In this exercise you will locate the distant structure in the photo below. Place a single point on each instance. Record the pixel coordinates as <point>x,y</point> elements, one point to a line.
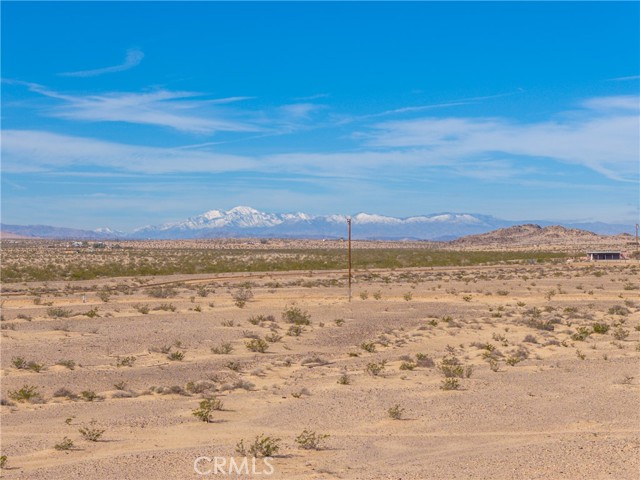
<point>605,255</point>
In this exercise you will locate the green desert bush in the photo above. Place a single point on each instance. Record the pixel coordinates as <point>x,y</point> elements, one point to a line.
<point>368,347</point>
<point>91,431</point>
<point>262,446</point>
<point>28,393</point>
<point>375,368</point>
<point>310,440</point>
<point>64,445</point>
<point>600,328</point>
<point>241,296</point>
<point>450,384</point>
<point>206,407</point>
<point>176,356</point>
<point>222,349</point>
<point>59,312</point>
<point>395,412</point>
<point>125,361</point>
<point>294,314</point>
<point>257,345</point>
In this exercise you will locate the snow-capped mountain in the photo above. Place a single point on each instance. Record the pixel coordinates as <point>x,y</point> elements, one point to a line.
<point>109,232</point>
<point>247,221</point>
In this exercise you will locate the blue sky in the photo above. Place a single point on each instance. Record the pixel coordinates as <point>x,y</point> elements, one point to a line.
<point>124,114</point>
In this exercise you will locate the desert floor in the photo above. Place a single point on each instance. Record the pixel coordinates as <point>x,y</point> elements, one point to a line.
<point>543,365</point>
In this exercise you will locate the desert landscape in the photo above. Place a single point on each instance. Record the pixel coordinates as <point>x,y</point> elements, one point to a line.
<point>469,361</point>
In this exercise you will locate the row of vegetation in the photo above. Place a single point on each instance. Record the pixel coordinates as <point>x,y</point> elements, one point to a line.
<point>20,265</point>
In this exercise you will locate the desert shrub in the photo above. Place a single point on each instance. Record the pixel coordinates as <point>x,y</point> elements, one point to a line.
<point>540,324</point>
<point>222,349</point>
<point>141,308</point>
<point>28,393</point>
<point>618,310</point>
<point>92,313</point>
<point>344,379</point>
<point>65,444</point>
<point>3,461</point>
<point>125,361</point>
<point>35,366</point>
<point>423,360</point>
<point>241,296</point>
<point>200,386</point>
<point>450,384</point>
<point>310,440</point>
<point>581,334</point>
<point>407,296</point>
<point>407,366</point>
<point>620,333</point>
<point>451,367</point>
<point>64,393</point>
<point>530,339</point>
<point>206,407</point>
<point>19,363</point>
<point>273,337</point>
<point>294,314</point>
<point>91,432</point>
<point>368,347</point>
<point>176,356</point>
<point>165,307</point>
<point>375,368</point>
<point>161,292</point>
<point>70,364</point>
<point>257,345</point>
<point>513,360</point>
<point>202,291</point>
<point>396,412</point>
<point>59,312</point>
<point>262,446</point>
<point>600,328</point>
<point>233,365</point>
<point>104,295</point>
<point>89,395</point>
<point>295,330</point>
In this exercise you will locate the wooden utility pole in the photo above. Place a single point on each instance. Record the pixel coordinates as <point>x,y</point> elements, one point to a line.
<point>349,224</point>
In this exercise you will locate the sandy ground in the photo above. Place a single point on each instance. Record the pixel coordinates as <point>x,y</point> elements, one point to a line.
<point>536,399</point>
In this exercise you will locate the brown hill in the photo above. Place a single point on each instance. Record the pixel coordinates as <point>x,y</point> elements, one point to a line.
<point>534,236</point>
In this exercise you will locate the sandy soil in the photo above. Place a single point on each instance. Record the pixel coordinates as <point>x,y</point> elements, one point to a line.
<point>538,397</point>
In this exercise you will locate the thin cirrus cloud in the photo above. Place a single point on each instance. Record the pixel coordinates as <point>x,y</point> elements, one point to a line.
<point>31,151</point>
<point>133,59</point>
<point>179,110</point>
<point>603,136</point>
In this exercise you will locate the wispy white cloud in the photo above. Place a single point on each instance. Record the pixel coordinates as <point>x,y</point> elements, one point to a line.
<point>173,109</point>
<point>431,106</point>
<point>630,103</point>
<point>624,79</point>
<point>604,137</point>
<point>601,135</point>
<point>38,151</point>
<point>133,59</point>
<point>311,97</point>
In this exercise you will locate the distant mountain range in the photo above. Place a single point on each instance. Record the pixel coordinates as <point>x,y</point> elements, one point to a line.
<point>249,222</point>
